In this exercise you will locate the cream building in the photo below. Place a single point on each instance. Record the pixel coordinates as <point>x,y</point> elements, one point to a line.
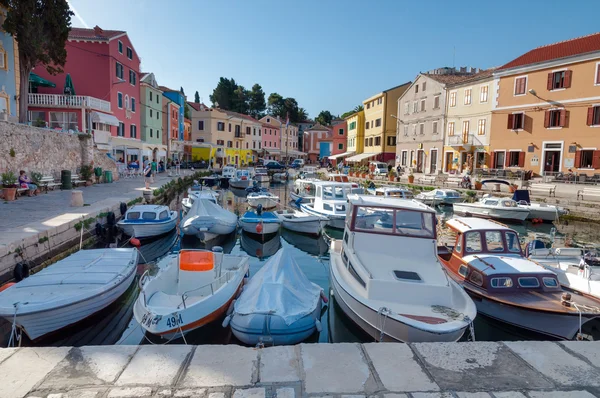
<point>289,136</point>
<point>356,132</point>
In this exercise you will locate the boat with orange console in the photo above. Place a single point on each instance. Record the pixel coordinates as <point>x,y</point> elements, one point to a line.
<point>192,289</point>
<point>488,261</point>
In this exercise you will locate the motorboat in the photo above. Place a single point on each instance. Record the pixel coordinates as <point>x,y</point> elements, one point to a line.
<point>309,172</point>
<point>497,208</point>
<point>255,246</point>
<point>311,244</point>
<point>204,194</point>
<point>191,289</point>
<point>227,173</point>
<point>264,198</point>
<point>575,267</point>
<point>279,305</point>
<point>280,177</point>
<point>241,180</point>
<point>538,211</point>
<point>301,222</point>
<point>488,262</point>
<point>391,191</point>
<point>440,197</point>
<point>329,202</point>
<point>304,190</point>
<point>259,222</point>
<point>68,291</point>
<point>146,221</point>
<point>209,181</point>
<point>251,172</point>
<point>386,277</point>
<point>207,220</point>
<point>261,175</point>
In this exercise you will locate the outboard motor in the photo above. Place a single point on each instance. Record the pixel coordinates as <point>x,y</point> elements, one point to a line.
<point>111,226</point>
<point>123,208</point>
<point>259,209</point>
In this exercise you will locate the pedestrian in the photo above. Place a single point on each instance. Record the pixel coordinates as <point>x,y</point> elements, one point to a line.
<point>147,175</point>
<point>25,182</point>
<point>177,167</point>
<point>154,167</point>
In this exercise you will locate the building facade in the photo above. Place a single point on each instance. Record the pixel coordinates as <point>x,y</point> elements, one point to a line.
<point>170,136</point>
<point>151,118</point>
<point>9,75</point>
<point>356,132</point>
<point>187,137</point>
<point>302,127</point>
<point>288,135</point>
<point>318,143</point>
<point>468,125</point>
<point>546,114</point>
<point>271,141</point>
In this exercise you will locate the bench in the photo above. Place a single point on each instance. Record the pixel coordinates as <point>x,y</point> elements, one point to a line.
<point>550,188</point>
<point>452,180</point>
<point>588,192</point>
<point>427,179</point>
<point>76,180</point>
<point>47,182</point>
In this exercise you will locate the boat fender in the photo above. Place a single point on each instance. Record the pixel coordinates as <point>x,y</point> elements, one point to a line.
<point>135,242</point>
<point>324,297</point>
<point>20,272</point>
<point>230,309</point>
<point>123,208</point>
<point>111,219</point>
<point>298,201</point>
<point>99,230</point>
<point>226,321</point>
<point>259,228</point>
<point>318,325</point>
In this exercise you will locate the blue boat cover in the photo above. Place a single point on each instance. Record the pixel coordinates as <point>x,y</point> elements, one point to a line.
<point>266,216</point>
<point>521,195</point>
<point>281,288</point>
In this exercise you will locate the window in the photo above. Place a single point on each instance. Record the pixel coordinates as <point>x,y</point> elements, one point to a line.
<point>150,112</point>
<point>476,278</point>
<point>403,157</point>
<point>468,96</point>
<point>220,142</point>
<point>406,130</point>
<point>132,104</point>
<point>133,131</point>
<point>368,105</point>
<point>422,129</point>
<point>585,159</point>
<point>220,126</point>
<point>391,141</point>
<point>416,88</point>
<point>249,130</point>
<point>120,100</point>
<point>229,144</point>
<point>34,116</point>
<point>434,127</point>
<point>132,78</point>
<point>126,101</point>
<point>407,108</point>
<point>340,131</point>
<point>415,107</point>
<point>377,123</point>
<point>463,271</point>
<point>512,241</point>
<point>453,99</point>
<point>555,118</point>
<point>3,58</point>
<point>529,281</point>
<point>560,79</point>
<point>493,241</point>
<point>150,133</point>
<point>520,85</point>
<point>157,100</point>
<point>481,127</point>
<point>366,125</point>
<point>593,116</point>
<point>550,282</point>
<point>380,101</point>
<point>352,126</point>
<point>513,158</point>
<point>516,121</point>
<point>377,141</point>
<point>473,242</point>
<point>436,102</point>
<point>150,97</point>
<point>465,129</point>
<point>119,70</point>
<point>120,47</point>
<point>121,130</point>
<point>229,128</point>
<point>157,114</point>
<point>64,121</point>
<point>450,129</point>
<point>483,94</point>
<point>129,53</point>
<point>371,141</point>
<point>501,282</point>
<point>422,105</point>
<point>424,86</point>
<point>366,142</point>
<point>340,146</point>
<point>200,124</point>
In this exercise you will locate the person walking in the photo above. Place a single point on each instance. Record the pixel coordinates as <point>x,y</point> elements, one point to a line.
<point>177,167</point>
<point>154,168</point>
<point>147,175</point>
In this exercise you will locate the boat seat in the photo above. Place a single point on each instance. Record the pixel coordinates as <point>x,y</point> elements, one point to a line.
<point>190,260</point>
<point>163,303</point>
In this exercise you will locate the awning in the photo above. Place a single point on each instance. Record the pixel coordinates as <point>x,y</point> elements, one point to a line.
<point>361,156</point>
<point>105,118</point>
<point>37,81</point>
<point>273,151</point>
<point>340,155</point>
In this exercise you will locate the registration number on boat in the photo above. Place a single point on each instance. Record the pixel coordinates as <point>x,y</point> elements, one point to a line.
<point>174,321</point>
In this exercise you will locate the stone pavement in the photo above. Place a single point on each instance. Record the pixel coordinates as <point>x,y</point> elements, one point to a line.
<point>384,370</point>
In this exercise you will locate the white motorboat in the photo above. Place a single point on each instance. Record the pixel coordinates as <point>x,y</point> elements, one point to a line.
<point>393,192</point>
<point>278,306</point>
<point>205,194</point>
<point>207,220</point>
<point>241,180</point>
<point>228,172</point>
<point>570,264</point>
<point>309,172</point>
<point>259,222</point>
<point>538,211</point>
<point>329,202</point>
<point>440,197</point>
<point>280,177</point>
<point>145,221</point>
<point>298,221</point>
<point>266,199</point>
<point>261,175</point>
<point>492,207</point>
<point>386,276</point>
<point>304,190</point>
<point>191,289</point>
<point>68,291</point>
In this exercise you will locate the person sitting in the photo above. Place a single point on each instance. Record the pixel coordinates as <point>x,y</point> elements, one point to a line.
<point>25,182</point>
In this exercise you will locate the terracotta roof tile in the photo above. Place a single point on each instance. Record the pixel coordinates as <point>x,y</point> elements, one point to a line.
<point>198,107</point>
<point>562,49</point>
<point>449,79</point>
<point>240,115</point>
<point>92,34</point>
<point>484,74</point>
<point>318,127</point>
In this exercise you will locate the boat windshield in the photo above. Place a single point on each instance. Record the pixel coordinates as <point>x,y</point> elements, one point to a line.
<point>335,192</point>
<point>393,221</point>
<point>242,173</point>
<point>509,203</point>
<point>397,193</point>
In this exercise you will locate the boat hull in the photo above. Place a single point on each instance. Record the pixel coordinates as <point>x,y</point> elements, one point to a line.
<point>239,184</point>
<point>490,213</point>
<point>333,220</point>
<point>266,202</point>
<point>310,225</point>
<point>267,227</point>
<point>303,199</point>
<point>147,230</point>
<point>261,178</point>
<point>545,213</point>
<point>208,228</point>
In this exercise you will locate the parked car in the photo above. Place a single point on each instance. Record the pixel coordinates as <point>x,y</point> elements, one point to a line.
<point>273,165</point>
<point>378,168</point>
<point>297,164</point>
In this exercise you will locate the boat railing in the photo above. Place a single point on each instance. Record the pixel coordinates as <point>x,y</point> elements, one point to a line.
<point>214,286</point>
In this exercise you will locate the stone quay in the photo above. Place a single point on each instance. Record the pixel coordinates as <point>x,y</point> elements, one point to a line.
<point>385,370</point>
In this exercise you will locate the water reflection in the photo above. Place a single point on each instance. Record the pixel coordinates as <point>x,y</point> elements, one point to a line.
<point>259,247</point>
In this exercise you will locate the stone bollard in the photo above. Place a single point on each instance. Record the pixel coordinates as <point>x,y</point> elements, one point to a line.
<point>76,198</point>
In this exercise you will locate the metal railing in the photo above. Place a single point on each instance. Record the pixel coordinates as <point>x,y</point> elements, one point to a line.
<point>461,139</point>
<point>66,101</point>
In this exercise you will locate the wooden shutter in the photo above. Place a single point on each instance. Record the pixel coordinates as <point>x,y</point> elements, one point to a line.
<point>547,119</point>
<point>563,118</point>
<point>578,159</point>
<point>521,159</point>
<point>511,120</point>
<point>596,160</point>
<point>568,76</point>
<point>550,78</point>
<point>506,156</point>
<point>590,117</point>
<point>492,159</point>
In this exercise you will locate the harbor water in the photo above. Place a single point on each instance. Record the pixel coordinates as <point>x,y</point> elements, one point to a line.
<point>115,325</point>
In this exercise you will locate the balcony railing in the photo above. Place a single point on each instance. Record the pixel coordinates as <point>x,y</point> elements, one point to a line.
<point>463,140</point>
<point>67,101</point>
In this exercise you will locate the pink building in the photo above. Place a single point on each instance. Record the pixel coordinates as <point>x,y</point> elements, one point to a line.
<point>339,137</point>
<point>271,141</point>
<point>318,142</point>
<point>105,70</point>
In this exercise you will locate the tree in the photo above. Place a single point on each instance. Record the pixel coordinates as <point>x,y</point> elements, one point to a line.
<point>302,115</point>
<point>324,118</point>
<point>181,90</point>
<point>41,27</point>
<point>197,98</point>
<point>358,108</point>
<point>275,104</point>
<point>186,111</point>
<point>256,101</point>
<point>223,94</point>
<point>239,101</point>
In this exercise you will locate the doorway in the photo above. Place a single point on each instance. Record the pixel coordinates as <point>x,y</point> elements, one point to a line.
<point>463,161</point>
<point>551,157</point>
<point>449,158</point>
<point>499,160</point>
<point>433,161</point>
<point>420,158</point>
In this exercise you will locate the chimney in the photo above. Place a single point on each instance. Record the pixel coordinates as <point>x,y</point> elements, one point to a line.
<point>98,30</point>
<point>463,69</point>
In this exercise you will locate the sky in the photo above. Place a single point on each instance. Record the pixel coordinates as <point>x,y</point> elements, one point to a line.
<point>329,54</point>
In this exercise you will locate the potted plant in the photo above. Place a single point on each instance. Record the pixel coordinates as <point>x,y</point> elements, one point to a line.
<point>411,178</point>
<point>86,172</point>
<point>9,185</point>
<point>36,178</point>
<point>363,171</point>
<point>512,188</point>
<point>391,175</point>
<point>478,185</point>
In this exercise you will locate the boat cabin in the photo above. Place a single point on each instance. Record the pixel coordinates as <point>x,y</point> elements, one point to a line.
<point>147,214</point>
<point>331,197</point>
<point>228,172</point>
<point>261,171</point>
<point>498,202</point>
<point>394,192</point>
<point>242,175</point>
<point>487,255</point>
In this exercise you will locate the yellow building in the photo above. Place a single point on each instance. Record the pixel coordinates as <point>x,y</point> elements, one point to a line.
<point>356,132</point>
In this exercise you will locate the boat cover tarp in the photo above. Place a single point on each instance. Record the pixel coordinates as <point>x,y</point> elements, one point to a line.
<point>279,287</point>
<point>205,208</point>
<point>521,195</point>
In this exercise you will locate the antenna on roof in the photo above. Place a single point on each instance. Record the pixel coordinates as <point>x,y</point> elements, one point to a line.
<point>454,57</point>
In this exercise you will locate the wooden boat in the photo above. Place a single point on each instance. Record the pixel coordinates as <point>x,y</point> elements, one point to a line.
<point>207,220</point>
<point>264,198</point>
<point>191,289</point>
<point>386,277</point>
<point>68,291</point>
<point>278,306</point>
<point>488,262</point>
<point>145,221</point>
<point>300,222</point>
<point>259,222</point>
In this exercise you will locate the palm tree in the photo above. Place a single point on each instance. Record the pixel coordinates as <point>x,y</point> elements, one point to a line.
<point>302,114</point>
<point>358,108</point>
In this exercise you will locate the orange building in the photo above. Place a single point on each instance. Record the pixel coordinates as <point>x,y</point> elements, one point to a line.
<point>546,111</point>
<point>187,137</point>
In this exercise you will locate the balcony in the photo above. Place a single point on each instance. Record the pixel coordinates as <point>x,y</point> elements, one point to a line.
<point>463,140</point>
<point>67,101</point>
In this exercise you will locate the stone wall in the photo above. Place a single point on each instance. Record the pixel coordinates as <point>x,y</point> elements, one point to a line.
<point>42,150</point>
<point>103,161</point>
